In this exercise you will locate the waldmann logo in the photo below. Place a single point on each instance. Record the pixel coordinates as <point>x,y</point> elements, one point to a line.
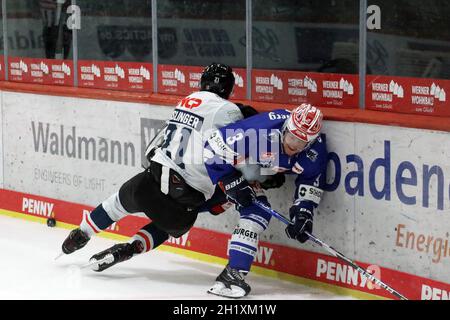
<point>66,142</point>
<point>384,92</point>
<point>337,89</point>
<point>345,274</point>
<point>37,207</point>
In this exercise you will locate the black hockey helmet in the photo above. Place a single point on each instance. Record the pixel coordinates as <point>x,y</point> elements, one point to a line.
<point>219,79</point>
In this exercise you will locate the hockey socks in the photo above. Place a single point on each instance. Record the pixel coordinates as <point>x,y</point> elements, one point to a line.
<point>96,221</point>
<point>244,245</point>
<point>245,238</point>
<point>150,236</point>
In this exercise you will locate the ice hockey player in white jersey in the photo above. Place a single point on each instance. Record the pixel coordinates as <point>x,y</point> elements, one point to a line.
<point>175,187</point>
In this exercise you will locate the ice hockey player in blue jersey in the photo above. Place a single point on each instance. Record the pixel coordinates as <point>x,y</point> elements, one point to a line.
<point>275,143</point>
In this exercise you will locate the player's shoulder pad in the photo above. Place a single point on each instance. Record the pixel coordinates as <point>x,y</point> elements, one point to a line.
<point>230,111</point>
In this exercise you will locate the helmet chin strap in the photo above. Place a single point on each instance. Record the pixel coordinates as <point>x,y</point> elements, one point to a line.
<point>283,132</point>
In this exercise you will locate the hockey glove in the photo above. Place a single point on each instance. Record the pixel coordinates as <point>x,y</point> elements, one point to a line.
<point>274,182</point>
<point>302,219</point>
<point>237,189</point>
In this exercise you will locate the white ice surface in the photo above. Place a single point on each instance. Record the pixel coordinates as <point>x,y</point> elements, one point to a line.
<point>28,271</point>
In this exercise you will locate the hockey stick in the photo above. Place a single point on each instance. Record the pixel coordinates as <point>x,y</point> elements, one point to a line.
<point>334,252</point>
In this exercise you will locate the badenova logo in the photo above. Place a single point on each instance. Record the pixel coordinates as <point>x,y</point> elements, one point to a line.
<point>66,142</point>
<point>411,183</point>
<point>345,274</point>
<point>37,207</point>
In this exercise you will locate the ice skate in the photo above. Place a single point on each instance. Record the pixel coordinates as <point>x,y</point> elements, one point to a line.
<point>76,240</point>
<point>230,284</point>
<point>117,253</point>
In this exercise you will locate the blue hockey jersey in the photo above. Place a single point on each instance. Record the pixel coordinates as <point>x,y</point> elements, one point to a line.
<point>258,140</point>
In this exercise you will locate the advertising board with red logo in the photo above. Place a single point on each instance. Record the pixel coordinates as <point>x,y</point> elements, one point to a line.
<point>126,76</point>
<point>183,80</point>
<point>295,87</point>
<point>408,95</point>
<point>41,71</point>
<point>305,264</point>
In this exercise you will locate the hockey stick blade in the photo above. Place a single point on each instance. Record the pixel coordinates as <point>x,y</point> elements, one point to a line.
<point>334,252</point>
<point>361,270</point>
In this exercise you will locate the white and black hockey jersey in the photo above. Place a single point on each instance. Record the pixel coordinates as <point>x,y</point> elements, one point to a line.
<point>191,124</point>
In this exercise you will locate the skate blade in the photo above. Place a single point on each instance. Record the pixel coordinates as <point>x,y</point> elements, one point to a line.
<point>219,289</point>
<point>59,255</point>
<point>94,265</point>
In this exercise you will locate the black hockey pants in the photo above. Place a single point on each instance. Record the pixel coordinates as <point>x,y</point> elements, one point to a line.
<point>174,212</point>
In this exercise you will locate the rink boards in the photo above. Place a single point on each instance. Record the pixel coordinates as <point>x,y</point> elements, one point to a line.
<point>387,205</point>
